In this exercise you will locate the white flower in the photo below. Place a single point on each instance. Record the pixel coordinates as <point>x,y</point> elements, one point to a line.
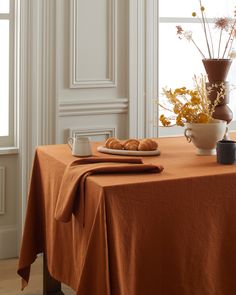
<point>188,35</point>
<point>232,54</point>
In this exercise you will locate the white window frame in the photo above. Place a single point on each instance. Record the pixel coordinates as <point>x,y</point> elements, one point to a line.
<point>11,141</point>
<point>143,24</point>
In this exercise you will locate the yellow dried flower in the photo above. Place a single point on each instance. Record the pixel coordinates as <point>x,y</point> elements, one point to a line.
<point>177,108</point>
<point>194,14</point>
<point>193,92</point>
<point>165,122</point>
<point>191,105</point>
<point>180,91</point>
<point>202,118</point>
<point>195,100</point>
<point>179,121</point>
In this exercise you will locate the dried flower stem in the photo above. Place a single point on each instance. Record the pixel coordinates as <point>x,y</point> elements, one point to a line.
<point>200,86</point>
<point>212,47</point>
<point>225,25</point>
<point>219,43</point>
<point>198,48</point>
<point>165,108</point>
<point>204,27</point>
<point>230,48</point>
<point>230,35</point>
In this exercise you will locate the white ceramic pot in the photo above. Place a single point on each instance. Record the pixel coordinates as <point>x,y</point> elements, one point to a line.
<point>80,146</point>
<point>205,135</point>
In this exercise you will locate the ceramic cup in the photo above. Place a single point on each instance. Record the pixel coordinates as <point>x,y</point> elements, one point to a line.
<point>205,135</point>
<point>226,152</point>
<point>80,146</point>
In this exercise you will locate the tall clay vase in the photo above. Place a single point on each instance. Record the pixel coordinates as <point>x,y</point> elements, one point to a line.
<point>217,71</point>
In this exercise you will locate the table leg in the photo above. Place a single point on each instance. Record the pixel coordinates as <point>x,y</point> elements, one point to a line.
<point>50,285</point>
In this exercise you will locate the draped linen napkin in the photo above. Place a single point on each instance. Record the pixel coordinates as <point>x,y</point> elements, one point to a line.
<point>74,178</point>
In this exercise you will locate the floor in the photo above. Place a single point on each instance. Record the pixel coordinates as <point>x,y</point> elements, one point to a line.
<point>10,282</point>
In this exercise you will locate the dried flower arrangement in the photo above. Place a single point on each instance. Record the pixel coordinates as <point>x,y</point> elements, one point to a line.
<point>226,26</point>
<point>191,105</point>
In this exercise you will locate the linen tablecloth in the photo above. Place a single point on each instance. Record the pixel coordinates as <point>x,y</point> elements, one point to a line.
<point>172,233</point>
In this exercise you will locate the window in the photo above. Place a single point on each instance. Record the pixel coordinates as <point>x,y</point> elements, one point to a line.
<point>7,72</point>
<point>179,60</point>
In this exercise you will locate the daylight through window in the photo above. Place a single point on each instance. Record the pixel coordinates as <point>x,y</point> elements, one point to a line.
<point>179,59</point>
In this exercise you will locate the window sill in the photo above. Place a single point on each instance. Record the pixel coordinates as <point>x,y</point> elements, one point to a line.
<point>9,151</point>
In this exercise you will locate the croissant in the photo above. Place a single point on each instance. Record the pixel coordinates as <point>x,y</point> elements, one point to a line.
<point>113,143</point>
<point>108,141</point>
<point>131,144</point>
<point>147,145</point>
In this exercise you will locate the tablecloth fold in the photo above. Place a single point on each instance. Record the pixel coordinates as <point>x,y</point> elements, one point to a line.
<point>74,178</point>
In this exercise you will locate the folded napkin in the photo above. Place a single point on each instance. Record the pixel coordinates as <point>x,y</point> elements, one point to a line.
<point>73,180</point>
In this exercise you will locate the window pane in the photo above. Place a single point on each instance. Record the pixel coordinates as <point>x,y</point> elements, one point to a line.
<point>4,78</point>
<point>184,8</point>
<point>179,59</point>
<point>4,6</point>
<point>181,8</point>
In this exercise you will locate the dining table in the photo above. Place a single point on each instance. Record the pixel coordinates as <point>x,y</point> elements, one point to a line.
<point>132,225</point>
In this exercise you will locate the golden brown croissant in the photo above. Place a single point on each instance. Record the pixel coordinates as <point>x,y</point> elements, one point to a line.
<point>131,144</point>
<point>108,141</point>
<point>147,144</point>
<point>113,143</point>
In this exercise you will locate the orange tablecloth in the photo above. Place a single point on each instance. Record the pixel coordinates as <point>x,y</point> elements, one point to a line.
<point>172,233</point>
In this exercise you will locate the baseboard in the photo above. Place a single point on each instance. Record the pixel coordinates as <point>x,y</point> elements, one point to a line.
<point>8,242</point>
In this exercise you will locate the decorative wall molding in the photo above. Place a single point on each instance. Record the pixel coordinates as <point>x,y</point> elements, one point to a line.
<point>8,245</point>
<point>94,131</point>
<point>2,190</point>
<point>143,24</point>
<point>93,107</point>
<point>110,80</point>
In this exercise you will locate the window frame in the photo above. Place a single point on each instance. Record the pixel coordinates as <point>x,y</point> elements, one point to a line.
<point>11,139</point>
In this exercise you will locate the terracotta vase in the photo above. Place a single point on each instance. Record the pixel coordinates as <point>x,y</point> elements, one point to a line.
<point>217,71</point>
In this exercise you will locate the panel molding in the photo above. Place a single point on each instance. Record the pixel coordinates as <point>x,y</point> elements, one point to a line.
<point>93,107</point>
<point>91,131</point>
<point>8,245</point>
<point>2,190</point>
<point>112,55</point>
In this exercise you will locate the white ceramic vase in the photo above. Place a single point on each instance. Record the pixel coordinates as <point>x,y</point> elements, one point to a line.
<point>205,135</point>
